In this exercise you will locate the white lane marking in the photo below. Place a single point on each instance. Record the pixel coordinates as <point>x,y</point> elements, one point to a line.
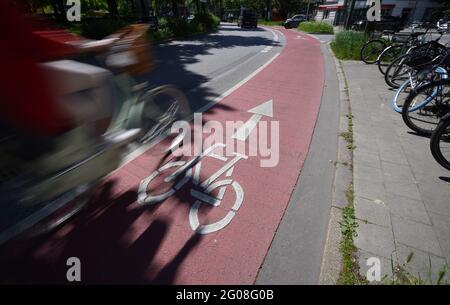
<point>265,109</point>
<point>275,36</point>
<point>238,85</point>
<point>266,49</point>
<point>142,149</point>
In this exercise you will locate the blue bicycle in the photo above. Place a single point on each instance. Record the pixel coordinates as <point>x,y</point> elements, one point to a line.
<point>415,81</point>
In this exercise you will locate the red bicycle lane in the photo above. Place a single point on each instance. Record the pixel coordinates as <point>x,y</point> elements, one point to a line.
<point>119,240</point>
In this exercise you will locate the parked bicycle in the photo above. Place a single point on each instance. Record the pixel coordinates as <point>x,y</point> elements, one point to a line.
<point>375,45</point>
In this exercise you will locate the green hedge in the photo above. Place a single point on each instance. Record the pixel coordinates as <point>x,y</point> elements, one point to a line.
<point>269,23</point>
<point>97,28</point>
<point>316,27</point>
<point>171,27</point>
<point>207,21</point>
<point>348,44</point>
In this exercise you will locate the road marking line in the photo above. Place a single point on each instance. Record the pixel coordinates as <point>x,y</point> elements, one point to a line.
<point>142,149</point>
<point>265,109</point>
<point>266,49</point>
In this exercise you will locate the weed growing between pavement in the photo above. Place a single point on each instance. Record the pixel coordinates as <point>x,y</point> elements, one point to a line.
<point>316,27</point>
<point>335,163</point>
<point>347,45</point>
<point>349,274</point>
<point>401,276</point>
<point>348,135</point>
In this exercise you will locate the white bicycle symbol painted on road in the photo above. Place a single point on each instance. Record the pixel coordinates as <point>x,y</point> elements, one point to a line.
<point>191,170</point>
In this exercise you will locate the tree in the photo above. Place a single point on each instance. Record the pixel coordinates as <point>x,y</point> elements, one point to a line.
<point>112,7</point>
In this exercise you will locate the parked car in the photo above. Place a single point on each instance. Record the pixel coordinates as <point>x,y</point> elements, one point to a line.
<point>387,23</point>
<point>248,18</point>
<point>294,21</point>
<point>442,24</point>
<point>190,18</point>
<point>415,25</point>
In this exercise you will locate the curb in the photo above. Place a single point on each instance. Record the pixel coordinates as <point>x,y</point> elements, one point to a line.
<point>332,258</point>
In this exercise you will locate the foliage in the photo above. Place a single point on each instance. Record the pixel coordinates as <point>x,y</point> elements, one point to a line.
<point>97,28</point>
<point>207,20</point>
<point>270,23</point>
<point>316,27</point>
<point>348,44</point>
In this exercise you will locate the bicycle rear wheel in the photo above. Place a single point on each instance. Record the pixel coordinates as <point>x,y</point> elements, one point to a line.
<point>371,50</point>
<point>440,143</point>
<point>388,56</point>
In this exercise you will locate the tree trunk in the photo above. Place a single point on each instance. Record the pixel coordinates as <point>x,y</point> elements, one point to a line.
<point>175,8</point>
<point>58,8</point>
<point>197,6</point>
<point>268,10</point>
<point>112,7</point>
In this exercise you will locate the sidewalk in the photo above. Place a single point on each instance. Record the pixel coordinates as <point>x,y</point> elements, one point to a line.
<point>401,203</point>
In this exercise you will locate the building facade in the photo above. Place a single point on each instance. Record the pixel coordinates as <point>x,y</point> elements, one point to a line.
<point>333,11</point>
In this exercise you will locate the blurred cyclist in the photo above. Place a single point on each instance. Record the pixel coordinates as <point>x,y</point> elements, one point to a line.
<point>42,95</point>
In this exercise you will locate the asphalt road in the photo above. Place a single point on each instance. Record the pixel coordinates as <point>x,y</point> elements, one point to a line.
<point>206,66</point>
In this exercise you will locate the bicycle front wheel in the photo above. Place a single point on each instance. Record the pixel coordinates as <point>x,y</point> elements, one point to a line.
<point>440,143</point>
<point>164,106</point>
<point>425,106</point>
<point>371,50</point>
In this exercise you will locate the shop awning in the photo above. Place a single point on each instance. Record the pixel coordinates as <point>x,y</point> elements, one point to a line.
<point>338,7</point>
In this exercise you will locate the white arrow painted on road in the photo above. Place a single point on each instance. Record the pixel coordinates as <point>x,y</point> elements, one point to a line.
<point>265,109</point>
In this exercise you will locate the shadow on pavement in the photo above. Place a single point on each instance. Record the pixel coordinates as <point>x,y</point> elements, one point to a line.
<point>112,245</point>
<point>100,237</point>
<point>173,58</point>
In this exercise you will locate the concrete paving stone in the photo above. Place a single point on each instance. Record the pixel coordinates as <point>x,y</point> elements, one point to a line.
<point>402,188</point>
<point>397,172</point>
<point>361,171</point>
<point>392,144</point>
<point>422,265</point>
<point>442,228</point>
<point>416,235</point>
<point>362,124</point>
<point>385,266</point>
<point>385,133</point>
<point>369,189</point>
<point>375,212</point>
<point>342,180</point>
<point>408,208</point>
<point>375,239</point>
<point>410,186</point>
<point>366,158</point>
<point>441,224</point>
<point>365,143</point>
<point>436,198</point>
<point>394,155</point>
